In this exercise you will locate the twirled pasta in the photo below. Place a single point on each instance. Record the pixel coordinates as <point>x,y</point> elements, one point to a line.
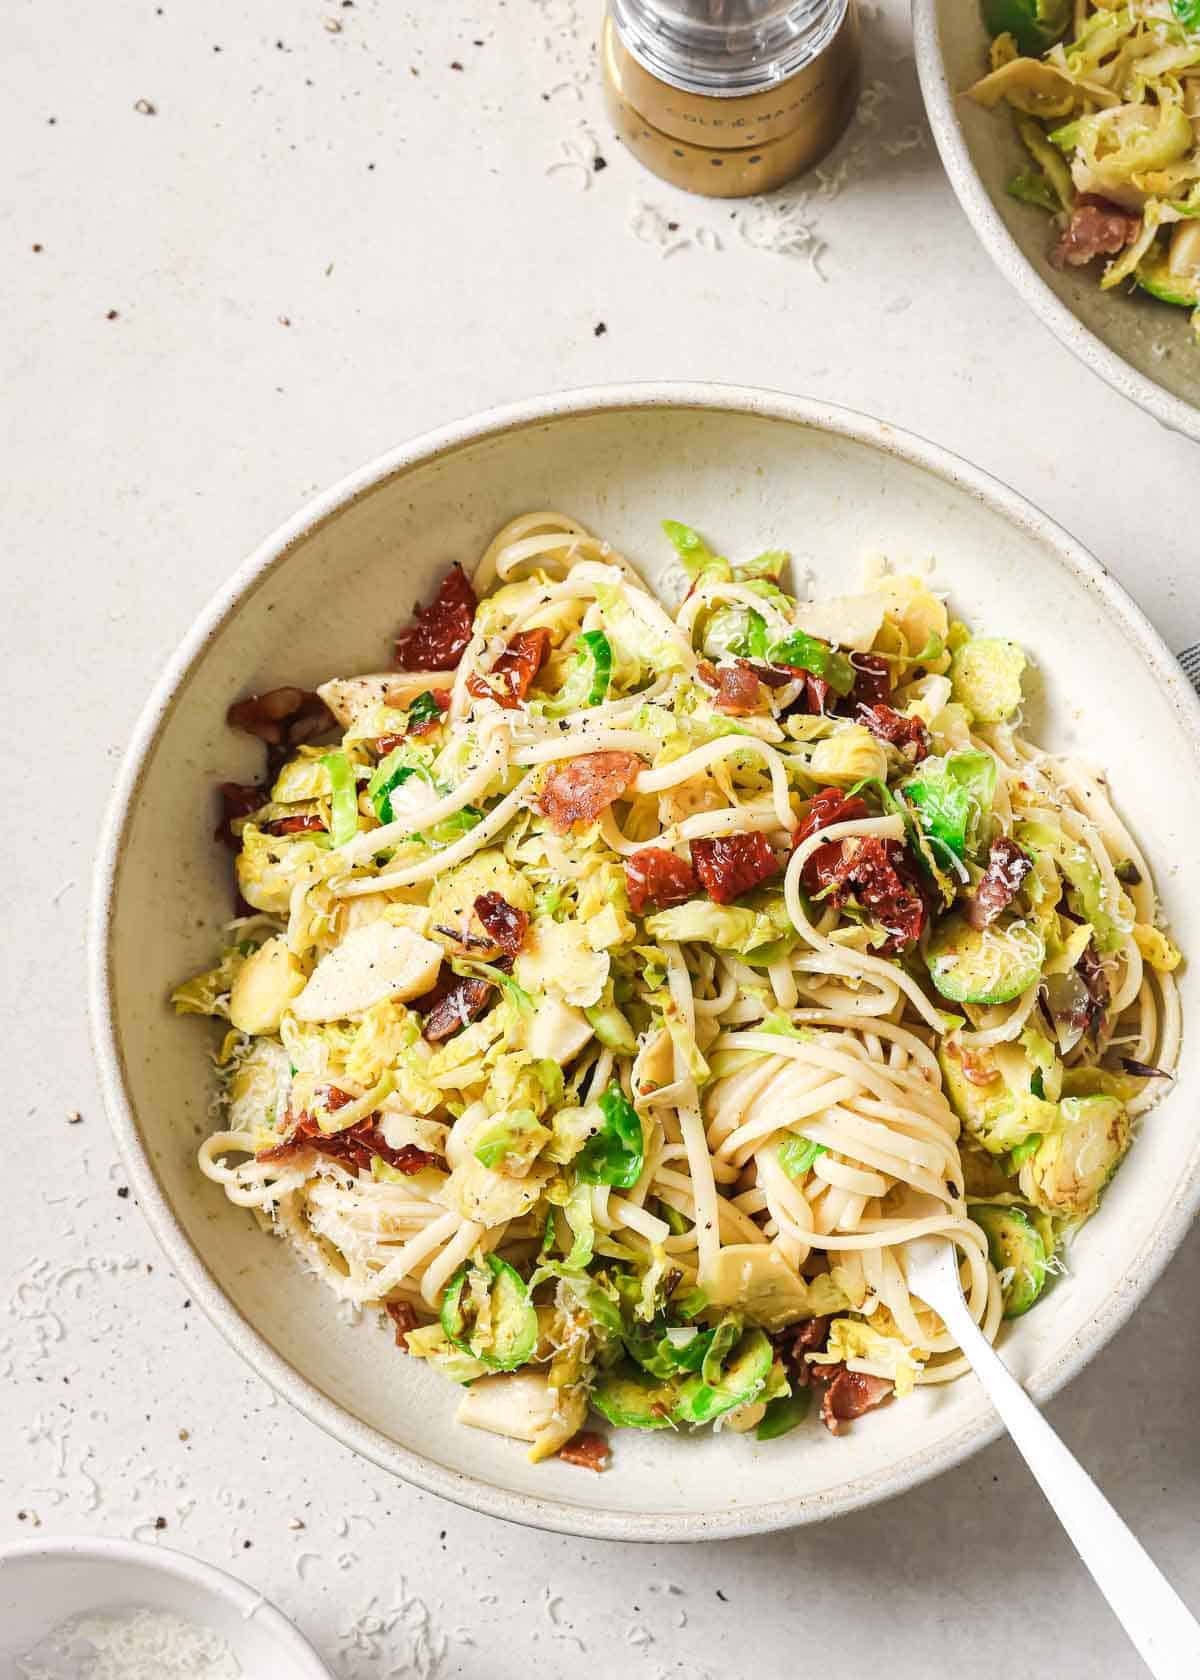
<point>784,1048</point>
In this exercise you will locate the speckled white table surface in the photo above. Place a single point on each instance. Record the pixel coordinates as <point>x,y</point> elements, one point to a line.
<point>245,248</point>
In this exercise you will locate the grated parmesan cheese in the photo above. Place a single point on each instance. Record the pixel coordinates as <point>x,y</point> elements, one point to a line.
<point>130,1645</point>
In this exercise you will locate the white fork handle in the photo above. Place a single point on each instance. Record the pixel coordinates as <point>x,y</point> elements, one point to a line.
<point>1156,1619</point>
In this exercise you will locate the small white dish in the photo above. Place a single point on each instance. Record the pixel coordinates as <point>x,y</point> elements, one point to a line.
<point>1144,349</point>
<point>323,595</point>
<point>46,1583</point>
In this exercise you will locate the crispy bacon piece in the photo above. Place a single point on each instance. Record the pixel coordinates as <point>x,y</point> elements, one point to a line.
<point>656,876</point>
<point>503,921</point>
<point>354,1149</point>
<point>1007,867</point>
<point>815,692</point>
<point>829,806</point>
<point>775,676</point>
<point>1097,227</point>
<point>872,679</point>
<point>807,1336</point>
<point>816,695</point>
<point>452,1003</point>
<point>282,717</point>
<point>295,825</point>
<point>511,677</point>
<point>848,1394</point>
<point>404,1317</point>
<point>588,1449</point>
<point>238,799</point>
<point>730,864</point>
<point>580,788</point>
<point>384,744</point>
<point>738,689</point>
<point>909,736</point>
<point>437,638</point>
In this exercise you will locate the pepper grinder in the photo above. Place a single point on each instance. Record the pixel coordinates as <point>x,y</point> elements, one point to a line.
<point>730,97</point>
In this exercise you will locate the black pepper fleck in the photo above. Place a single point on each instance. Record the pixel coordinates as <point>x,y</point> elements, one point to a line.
<point>160,1522</point>
<point>111,316</point>
<point>721,1596</point>
<point>599,330</point>
<point>122,1191</point>
<point>599,163</point>
<point>455,65</point>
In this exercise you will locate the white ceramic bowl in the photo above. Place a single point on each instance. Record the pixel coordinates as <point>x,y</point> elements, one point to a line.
<point>323,595</point>
<point>43,1584</point>
<point>1144,349</point>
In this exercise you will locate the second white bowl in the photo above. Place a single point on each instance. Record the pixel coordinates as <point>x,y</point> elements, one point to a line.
<point>1144,349</point>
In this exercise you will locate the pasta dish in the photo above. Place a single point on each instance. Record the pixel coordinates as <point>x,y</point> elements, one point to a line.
<point>614,990</point>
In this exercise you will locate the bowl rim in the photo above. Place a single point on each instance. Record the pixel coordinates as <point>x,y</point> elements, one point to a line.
<point>206,1579</point>
<point>559,1515</point>
<point>1173,412</point>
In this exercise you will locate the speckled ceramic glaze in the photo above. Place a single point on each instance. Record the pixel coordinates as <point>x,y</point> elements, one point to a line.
<point>322,596</point>
<point>46,1583</point>
<point>1144,349</point>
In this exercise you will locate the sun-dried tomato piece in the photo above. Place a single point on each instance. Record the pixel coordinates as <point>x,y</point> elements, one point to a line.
<point>1007,867</point>
<point>730,864</point>
<point>580,788</point>
<point>848,1394</point>
<point>503,921</point>
<point>707,673</point>
<point>656,876</point>
<point>872,679</point>
<point>511,677</point>
<point>295,825</point>
<point>587,1449</point>
<point>437,638</point>
<point>452,1003</point>
<point>238,799</point>
<point>909,736</point>
<point>880,875</point>
<point>404,1316</point>
<point>829,806</point>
